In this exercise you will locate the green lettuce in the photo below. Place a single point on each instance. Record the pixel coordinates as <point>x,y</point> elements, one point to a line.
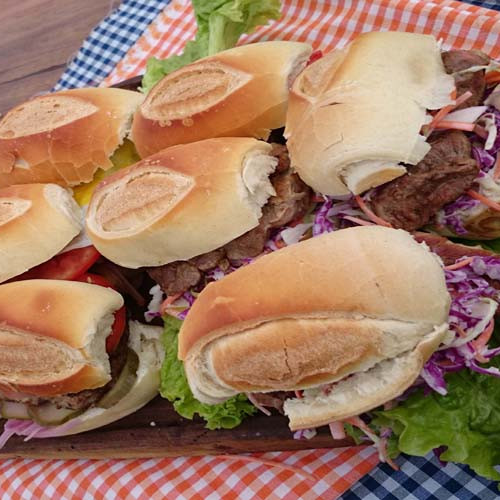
<point>466,421</point>
<point>220,25</point>
<point>175,388</point>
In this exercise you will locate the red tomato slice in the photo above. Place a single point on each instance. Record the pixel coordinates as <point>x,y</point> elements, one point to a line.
<point>317,54</point>
<point>65,266</point>
<point>113,339</point>
<point>118,327</point>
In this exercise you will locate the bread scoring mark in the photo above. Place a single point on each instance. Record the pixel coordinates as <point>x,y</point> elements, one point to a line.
<point>12,208</point>
<point>191,90</point>
<point>27,358</point>
<point>44,114</point>
<point>136,201</point>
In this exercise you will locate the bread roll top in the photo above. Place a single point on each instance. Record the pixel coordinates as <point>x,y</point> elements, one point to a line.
<point>182,202</point>
<point>235,93</point>
<point>52,336</point>
<point>36,222</point>
<point>64,137</point>
<point>356,114</point>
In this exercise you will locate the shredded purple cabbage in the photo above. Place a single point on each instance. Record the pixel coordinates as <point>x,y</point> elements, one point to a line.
<point>468,289</point>
<point>483,158</point>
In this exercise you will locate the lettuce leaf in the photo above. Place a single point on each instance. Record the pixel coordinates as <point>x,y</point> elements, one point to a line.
<point>174,387</point>
<point>466,421</point>
<point>220,25</point>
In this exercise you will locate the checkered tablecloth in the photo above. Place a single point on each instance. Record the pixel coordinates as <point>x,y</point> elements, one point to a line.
<point>117,49</point>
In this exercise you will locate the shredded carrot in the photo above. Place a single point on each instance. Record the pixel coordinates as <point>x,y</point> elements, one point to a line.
<point>459,265</point>
<point>481,341</point>
<point>318,198</point>
<point>359,221</point>
<point>374,218</point>
<point>298,394</point>
<point>357,422</point>
<point>496,168</point>
<point>168,301</point>
<point>461,332</point>
<point>492,77</point>
<point>279,465</point>
<point>483,199</point>
<point>447,109</point>
<point>481,131</point>
<point>445,124</point>
<point>280,243</point>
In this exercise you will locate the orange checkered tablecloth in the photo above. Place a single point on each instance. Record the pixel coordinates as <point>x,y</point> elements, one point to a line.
<point>325,24</point>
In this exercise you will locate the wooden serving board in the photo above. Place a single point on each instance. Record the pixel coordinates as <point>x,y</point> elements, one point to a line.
<point>172,435</point>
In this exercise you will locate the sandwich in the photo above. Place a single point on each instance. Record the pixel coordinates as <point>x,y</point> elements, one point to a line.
<point>60,373</point>
<point>240,92</point>
<point>196,209</point>
<point>44,217</point>
<point>360,312</point>
<point>66,137</point>
<point>370,335</point>
<point>356,132</point>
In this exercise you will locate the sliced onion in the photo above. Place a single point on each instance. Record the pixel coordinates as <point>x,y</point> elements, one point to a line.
<point>467,115</point>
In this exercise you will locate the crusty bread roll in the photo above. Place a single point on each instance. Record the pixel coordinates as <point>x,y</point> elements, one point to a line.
<point>53,335</point>
<point>356,114</point>
<point>316,312</point>
<point>64,137</point>
<point>36,222</point>
<point>182,202</point>
<point>240,92</point>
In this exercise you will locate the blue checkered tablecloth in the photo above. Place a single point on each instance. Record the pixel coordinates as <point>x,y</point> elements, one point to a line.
<point>418,478</point>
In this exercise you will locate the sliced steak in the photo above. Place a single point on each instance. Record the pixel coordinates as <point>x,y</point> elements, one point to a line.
<point>458,60</point>
<point>410,201</point>
<point>208,260</point>
<point>248,245</point>
<point>274,400</point>
<point>176,277</point>
<point>280,151</point>
<point>291,201</point>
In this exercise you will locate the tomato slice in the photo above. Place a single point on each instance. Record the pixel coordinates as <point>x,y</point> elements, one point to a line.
<point>118,327</point>
<point>317,54</point>
<point>65,266</point>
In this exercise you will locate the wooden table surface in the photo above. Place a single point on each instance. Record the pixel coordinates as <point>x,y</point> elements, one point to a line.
<point>38,38</point>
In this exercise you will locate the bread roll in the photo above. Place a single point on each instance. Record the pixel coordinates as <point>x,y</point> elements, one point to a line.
<point>355,115</point>
<point>236,93</point>
<point>53,335</point>
<point>316,312</point>
<point>182,202</point>
<point>36,222</point>
<point>64,137</point>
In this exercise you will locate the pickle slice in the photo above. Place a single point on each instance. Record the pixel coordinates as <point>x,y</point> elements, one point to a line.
<point>11,409</point>
<point>125,381</point>
<point>49,414</point>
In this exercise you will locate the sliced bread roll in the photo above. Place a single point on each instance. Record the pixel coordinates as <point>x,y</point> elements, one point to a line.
<point>53,336</point>
<point>64,137</point>
<point>315,313</point>
<point>240,92</point>
<point>356,114</point>
<point>36,222</point>
<point>182,202</point>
